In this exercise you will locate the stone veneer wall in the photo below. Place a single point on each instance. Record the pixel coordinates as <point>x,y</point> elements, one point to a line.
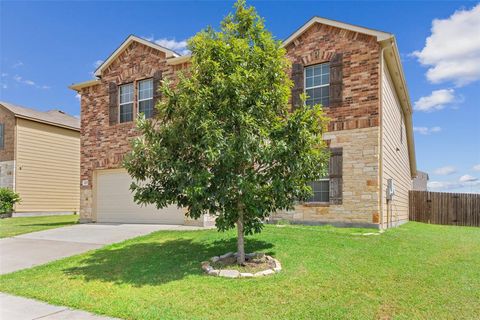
<point>360,205</point>
<point>7,154</point>
<point>7,174</point>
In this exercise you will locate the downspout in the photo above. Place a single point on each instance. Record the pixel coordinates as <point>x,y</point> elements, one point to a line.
<point>380,114</point>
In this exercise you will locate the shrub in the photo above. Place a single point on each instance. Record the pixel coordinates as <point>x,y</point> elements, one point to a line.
<point>7,199</point>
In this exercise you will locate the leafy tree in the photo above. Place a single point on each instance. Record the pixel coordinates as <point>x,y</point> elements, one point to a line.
<point>224,141</point>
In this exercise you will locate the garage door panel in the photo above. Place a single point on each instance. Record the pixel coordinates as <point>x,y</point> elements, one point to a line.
<point>115,202</point>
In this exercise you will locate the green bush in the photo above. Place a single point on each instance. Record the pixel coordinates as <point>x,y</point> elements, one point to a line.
<point>7,199</point>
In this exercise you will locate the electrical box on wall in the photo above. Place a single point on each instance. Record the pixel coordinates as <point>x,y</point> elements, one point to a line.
<point>390,189</point>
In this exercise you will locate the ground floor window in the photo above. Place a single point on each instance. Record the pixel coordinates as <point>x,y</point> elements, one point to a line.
<point>321,191</point>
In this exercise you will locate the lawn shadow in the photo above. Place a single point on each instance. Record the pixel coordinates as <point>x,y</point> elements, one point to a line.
<point>48,224</point>
<point>155,263</point>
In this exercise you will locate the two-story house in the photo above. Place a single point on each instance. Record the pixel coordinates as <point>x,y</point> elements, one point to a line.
<point>354,72</point>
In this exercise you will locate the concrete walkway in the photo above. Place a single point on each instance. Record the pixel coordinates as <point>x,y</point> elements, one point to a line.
<point>18,308</point>
<point>31,249</point>
<point>36,248</point>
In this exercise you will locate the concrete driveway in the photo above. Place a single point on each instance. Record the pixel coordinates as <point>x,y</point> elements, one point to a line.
<point>31,249</point>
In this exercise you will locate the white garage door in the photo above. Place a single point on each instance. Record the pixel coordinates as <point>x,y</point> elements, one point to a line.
<point>115,202</point>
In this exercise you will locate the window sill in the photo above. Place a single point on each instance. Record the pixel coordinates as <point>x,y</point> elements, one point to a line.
<point>315,204</point>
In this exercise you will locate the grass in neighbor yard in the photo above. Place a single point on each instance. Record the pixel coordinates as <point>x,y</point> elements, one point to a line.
<point>10,227</point>
<point>416,271</point>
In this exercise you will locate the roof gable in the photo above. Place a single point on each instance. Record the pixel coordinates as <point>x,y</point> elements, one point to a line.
<point>169,53</point>
<point>380,35</point>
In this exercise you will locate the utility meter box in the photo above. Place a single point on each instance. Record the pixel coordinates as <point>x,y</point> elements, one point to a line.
<point>390,189</point>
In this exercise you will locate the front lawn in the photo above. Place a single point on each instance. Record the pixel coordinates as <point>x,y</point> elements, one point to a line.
<point>416,271</point>
<point>10,227</point>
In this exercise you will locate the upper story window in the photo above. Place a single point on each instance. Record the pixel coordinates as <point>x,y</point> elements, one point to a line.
<point>2,136</point>
<point>145,97</point>
<point>317,84</point>
<point>126,102</point>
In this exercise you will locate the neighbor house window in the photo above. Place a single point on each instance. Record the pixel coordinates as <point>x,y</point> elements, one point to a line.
<point>321,190</point>
<point>126,102</point>
<point>317,84</point>
<point>145,97</point>
<point>2,136</point>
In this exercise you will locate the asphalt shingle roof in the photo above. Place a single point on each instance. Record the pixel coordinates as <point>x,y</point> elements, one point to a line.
<point>53,117</point>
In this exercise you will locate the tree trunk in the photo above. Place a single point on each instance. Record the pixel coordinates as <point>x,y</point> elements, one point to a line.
<point>240,238</point>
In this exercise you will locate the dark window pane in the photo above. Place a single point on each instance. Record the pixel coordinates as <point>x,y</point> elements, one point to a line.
<point>317,93</point>
<point>126,93</point>
<point>126,112</point>
<point>146,107</point>
<point>325,79</point>
<point>309,82</point>
<point>325,68</point>
<point>309,72</point>
<point>309,93</point>
<point>324,92</point>
<point>317,81</point>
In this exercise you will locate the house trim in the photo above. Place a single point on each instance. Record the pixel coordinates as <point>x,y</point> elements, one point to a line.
<point>169,53</point>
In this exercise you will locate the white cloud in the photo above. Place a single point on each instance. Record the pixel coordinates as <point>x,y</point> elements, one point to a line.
<point>452,51</point>
<point>467,178</point>
<point>476,167</point>
<point>97,63</point>
<point>172,44</point>
<point>436,100</point>
<point>20,79</point>
<point>78,96</point>
<point>426,130</point>
<point>17,64</point>
<point>443,171</point>
<point>472,185</point>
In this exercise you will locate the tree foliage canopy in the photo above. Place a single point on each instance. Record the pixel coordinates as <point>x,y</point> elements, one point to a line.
<point>224,141</point>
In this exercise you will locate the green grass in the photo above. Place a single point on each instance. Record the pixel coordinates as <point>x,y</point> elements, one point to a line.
<point>10,227</point>
<point>416,271</point>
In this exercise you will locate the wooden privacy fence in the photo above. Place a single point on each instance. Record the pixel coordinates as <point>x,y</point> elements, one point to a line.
<point>459,209</point>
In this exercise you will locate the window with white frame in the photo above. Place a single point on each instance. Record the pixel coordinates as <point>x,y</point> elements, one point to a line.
<point>317,84</point>
<point>321,190</point>
<point>145,97</point>
<point>126,102</point>
<point>2,136</point>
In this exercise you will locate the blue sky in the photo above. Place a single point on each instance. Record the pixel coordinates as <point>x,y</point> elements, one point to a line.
<point>46,46</point>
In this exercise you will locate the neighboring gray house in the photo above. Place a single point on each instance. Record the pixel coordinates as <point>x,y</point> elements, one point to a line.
<point>420,181</point>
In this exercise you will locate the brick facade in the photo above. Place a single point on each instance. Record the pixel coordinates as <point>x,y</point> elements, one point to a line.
<point>354,123</point>
<point>361,59</point>
<point>103,145</point>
